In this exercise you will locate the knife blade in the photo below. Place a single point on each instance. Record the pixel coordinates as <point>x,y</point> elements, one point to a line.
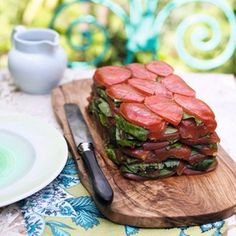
<point>83,140</point>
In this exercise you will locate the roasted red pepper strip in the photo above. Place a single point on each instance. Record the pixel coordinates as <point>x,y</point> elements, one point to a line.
<point>183,152</point>
<point>138,153</point>
<point>157,136</point>
<point>154,145</point>
<point>209,139</point>
<point>189,129</point>
<point>206,150</point>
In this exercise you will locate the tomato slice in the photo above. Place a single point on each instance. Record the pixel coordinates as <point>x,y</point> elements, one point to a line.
<point>197,108</point>
<point>109,75</point>
<point>149,87</point>
<point>165,107</point>
<point>125,93</point>
<point>160,68</point>
<point>177,85</point>
<point>140,72</point>
<point>139,114</point>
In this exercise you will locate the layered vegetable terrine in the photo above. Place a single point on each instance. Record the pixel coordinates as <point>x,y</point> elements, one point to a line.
<point>152,123</point>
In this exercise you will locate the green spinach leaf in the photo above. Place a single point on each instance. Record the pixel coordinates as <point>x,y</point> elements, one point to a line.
<point>138,132</point>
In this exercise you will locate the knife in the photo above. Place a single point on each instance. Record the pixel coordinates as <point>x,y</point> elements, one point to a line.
<point>83,140</point>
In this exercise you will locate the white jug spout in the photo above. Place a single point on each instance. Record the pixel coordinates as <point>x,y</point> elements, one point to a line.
<point>49,43</point>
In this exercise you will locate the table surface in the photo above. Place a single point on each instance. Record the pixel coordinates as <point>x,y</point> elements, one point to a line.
<point>217,90</point>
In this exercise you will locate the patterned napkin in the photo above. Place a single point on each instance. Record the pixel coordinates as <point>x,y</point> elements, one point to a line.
<point>64,208</point>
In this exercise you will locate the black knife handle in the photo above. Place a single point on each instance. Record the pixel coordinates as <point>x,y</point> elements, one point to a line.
<point>101,187</point>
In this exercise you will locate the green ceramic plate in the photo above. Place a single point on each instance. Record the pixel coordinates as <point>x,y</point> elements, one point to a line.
<point>32,154</point>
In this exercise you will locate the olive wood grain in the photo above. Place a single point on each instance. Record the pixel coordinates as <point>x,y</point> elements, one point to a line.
<point>170,202</point>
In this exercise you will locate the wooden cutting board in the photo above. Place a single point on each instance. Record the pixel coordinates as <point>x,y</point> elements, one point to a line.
<point>170,202</point>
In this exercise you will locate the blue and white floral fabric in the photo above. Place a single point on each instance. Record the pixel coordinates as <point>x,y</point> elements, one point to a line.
<point>64,208</point>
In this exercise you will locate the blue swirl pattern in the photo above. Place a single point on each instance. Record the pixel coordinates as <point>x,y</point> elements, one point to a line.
<point>141,18</point>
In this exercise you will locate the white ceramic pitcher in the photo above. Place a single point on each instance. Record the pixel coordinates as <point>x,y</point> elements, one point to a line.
<point>36,61</point>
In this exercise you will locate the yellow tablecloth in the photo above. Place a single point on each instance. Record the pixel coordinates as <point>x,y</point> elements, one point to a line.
<point>64,208</point>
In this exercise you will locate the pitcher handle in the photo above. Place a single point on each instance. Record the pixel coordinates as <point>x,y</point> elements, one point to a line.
<point>15,30</point>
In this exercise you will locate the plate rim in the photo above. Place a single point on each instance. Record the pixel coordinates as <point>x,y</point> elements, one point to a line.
<point>38,186</point>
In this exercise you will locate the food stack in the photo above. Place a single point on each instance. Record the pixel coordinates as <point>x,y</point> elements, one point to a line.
<point>152,122</point>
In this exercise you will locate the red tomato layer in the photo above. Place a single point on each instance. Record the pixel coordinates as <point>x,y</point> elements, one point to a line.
<point>177,85</point>
<point>165,107</point>
<point>139,114</point>
<point>160,68</point>
<point>109,75</point>
<point>197,108</point>
<point>125,93</point>
<point>140,72</point>
<point>149,87</point>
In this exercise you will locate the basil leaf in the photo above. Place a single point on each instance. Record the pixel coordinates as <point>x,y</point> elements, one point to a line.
<point>92,107</point>
<point>165,172</point>
<point>193,152</point>
<point>187,116</point>
<point>111,154</point>
<point>111,134</point>
<point>102,93</point>
<point>125,143</point>
<point>104,107</point>
<point>204,164</point>
<point>171,163</point>
<point>159,78</point>
<point>123,139</point>
<point>124,168</point>
<point>117,102</point>
<point>212,145</point>
<point>170,130</point>
<point>138,132</point>
<point>141,167</point>
<point>103,120</point>
<point>199,146</point>
<point>174,145</point>
<point>131,160</point>
<point>173,141</point>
